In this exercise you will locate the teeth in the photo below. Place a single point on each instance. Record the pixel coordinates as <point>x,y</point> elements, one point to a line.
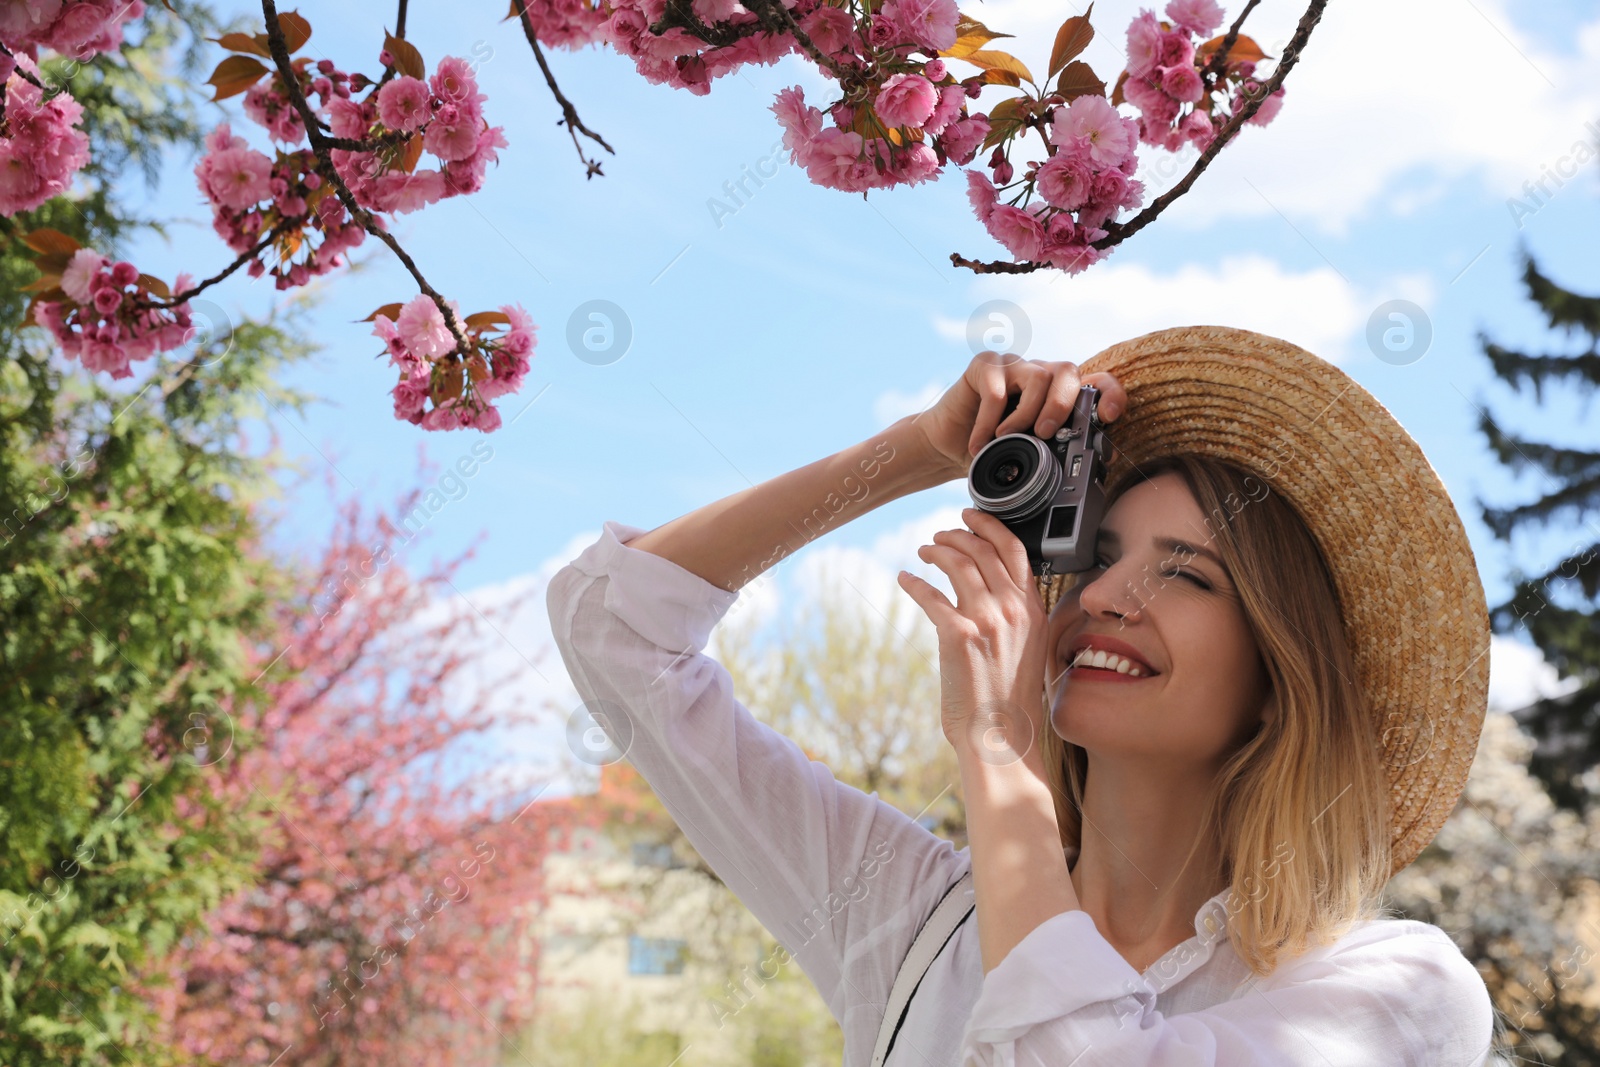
<point>1107,661</point>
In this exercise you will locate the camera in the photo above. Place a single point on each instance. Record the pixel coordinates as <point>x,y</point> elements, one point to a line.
<point>1049,492</point>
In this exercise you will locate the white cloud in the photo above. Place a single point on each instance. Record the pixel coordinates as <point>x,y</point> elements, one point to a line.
<point>1381,91</point>
<point>1073,318</point>
<point>1519,675</point>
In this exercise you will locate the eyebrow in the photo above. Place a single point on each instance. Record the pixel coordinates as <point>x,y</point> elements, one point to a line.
<point>1171,544</point>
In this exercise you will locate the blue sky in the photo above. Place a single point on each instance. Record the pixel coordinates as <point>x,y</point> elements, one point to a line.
<point>808,319</point>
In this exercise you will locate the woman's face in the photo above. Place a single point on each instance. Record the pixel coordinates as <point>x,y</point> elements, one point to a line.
<point>1181,617</point>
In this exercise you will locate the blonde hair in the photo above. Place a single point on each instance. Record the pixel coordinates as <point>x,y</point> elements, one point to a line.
<point>1301,808</point>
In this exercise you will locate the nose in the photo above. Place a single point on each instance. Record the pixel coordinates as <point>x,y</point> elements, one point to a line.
<point>1111,594</point>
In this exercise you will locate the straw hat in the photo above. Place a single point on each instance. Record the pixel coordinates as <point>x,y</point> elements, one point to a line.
<point>1377,510</point>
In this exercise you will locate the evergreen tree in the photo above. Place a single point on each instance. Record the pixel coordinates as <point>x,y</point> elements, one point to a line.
<point>1557,607</point>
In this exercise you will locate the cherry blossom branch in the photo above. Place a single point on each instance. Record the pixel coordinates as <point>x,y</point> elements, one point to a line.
<point>776,17</point>
<point>569,113</point>
<point>1117,232</point>
<point>678,15</point>
<point>17,69</point>
<point>1218,61</point>
<point>320,145</point>
<point>244,257</point>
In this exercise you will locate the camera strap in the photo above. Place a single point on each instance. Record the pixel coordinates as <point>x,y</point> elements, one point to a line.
<point>937,929</point>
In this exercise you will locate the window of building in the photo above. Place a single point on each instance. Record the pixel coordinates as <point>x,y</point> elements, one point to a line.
<point>656,955</point>
<point>653,854</point>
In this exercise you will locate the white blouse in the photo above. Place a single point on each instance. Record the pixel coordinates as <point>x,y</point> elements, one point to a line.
<point>844,880</point>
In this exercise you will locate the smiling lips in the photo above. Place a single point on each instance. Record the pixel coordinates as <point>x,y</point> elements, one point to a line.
<point>1091,664</point>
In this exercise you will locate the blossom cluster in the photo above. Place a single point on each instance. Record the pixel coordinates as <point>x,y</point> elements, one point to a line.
<point>899,119</point>
<point>105,316</point>
<point>41,147</point>
<point>568,24</point>
<point>1094,153</point>
<point>1164,75</point>
<point>433,371</point>
<point>253,196</point>
<point>443,115</point>
<point>76,28</point>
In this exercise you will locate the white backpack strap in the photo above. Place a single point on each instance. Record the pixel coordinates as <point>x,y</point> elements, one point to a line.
<point>930,941</point>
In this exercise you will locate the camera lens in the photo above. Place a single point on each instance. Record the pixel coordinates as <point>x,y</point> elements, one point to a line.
<point>1014,476</point>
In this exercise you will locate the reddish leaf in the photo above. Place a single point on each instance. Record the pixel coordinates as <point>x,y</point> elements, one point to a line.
<point>1005,119</point>
<point>388,311</point>
<point>480,319</point>
<point>407,60</point>
<point>1077,79</point>
<point>971,35</point>
<point>50,241</point>
<point>447,383</point>
<point>296,30</point>
<point>44,284</point>
<point>996,76</point>
<point>477,367</point>
<point>1244,50</point>
<point>410,152</point>
<point>255,44</point>
<point>1116,93</point>
<point>234,75</point>
<point>156,286</point>
<point>1002,61</point>
<point>1071,39</point>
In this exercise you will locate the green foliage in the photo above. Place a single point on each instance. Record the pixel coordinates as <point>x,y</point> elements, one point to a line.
<point>132,596</point>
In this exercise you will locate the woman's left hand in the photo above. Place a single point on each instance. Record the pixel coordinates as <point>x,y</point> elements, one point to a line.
<point>991,641</point>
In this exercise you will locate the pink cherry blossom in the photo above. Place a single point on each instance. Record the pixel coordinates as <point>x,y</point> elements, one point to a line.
<point>403,103</point>
<point>422,328</point>
<point>235,178</point>
<point>981,194</point>
<point>1176,48</point>
<point>1064,181</point>
<point>906,100</point>
<point>962,138</point>
<point>1182,83</point>
<point>40,145</point>
<point>1019,230</point>
<point>1112,138</point>
<point>1201,17</point>
<point>930,23</point>
<point>77,280</point>
<point>1144,44</point>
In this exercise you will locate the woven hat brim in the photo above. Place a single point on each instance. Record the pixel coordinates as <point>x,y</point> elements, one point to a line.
<point>1411,598</point>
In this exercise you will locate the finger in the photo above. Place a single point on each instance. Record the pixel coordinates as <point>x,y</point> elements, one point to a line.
<point>962,570</point>
<point>1059,398</point>
<point>1008,549</point>
<point>927,596</point>
<point>996,579</point>
<point>987,376</point>
<point>1032,377</point>
<point>1113,397</point>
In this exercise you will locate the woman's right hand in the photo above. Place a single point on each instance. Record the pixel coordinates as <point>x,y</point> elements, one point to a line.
<point>967,417</point>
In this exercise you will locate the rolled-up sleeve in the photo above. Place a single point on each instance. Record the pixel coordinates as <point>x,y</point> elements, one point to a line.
<point>841,878</point>
<point>1395,992</point>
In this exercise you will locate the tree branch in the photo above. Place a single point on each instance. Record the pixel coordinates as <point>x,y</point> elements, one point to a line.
<point>1116,233</point>
<point>320,145</point>
<point>569,113</point>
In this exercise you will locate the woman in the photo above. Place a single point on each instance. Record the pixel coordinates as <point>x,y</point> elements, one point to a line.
<point>1188,772</point>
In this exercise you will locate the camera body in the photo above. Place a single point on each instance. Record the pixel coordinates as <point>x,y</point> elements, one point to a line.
<point>1049,492</point>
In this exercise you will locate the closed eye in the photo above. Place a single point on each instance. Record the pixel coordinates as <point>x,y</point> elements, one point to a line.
<point>1101,562</point>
